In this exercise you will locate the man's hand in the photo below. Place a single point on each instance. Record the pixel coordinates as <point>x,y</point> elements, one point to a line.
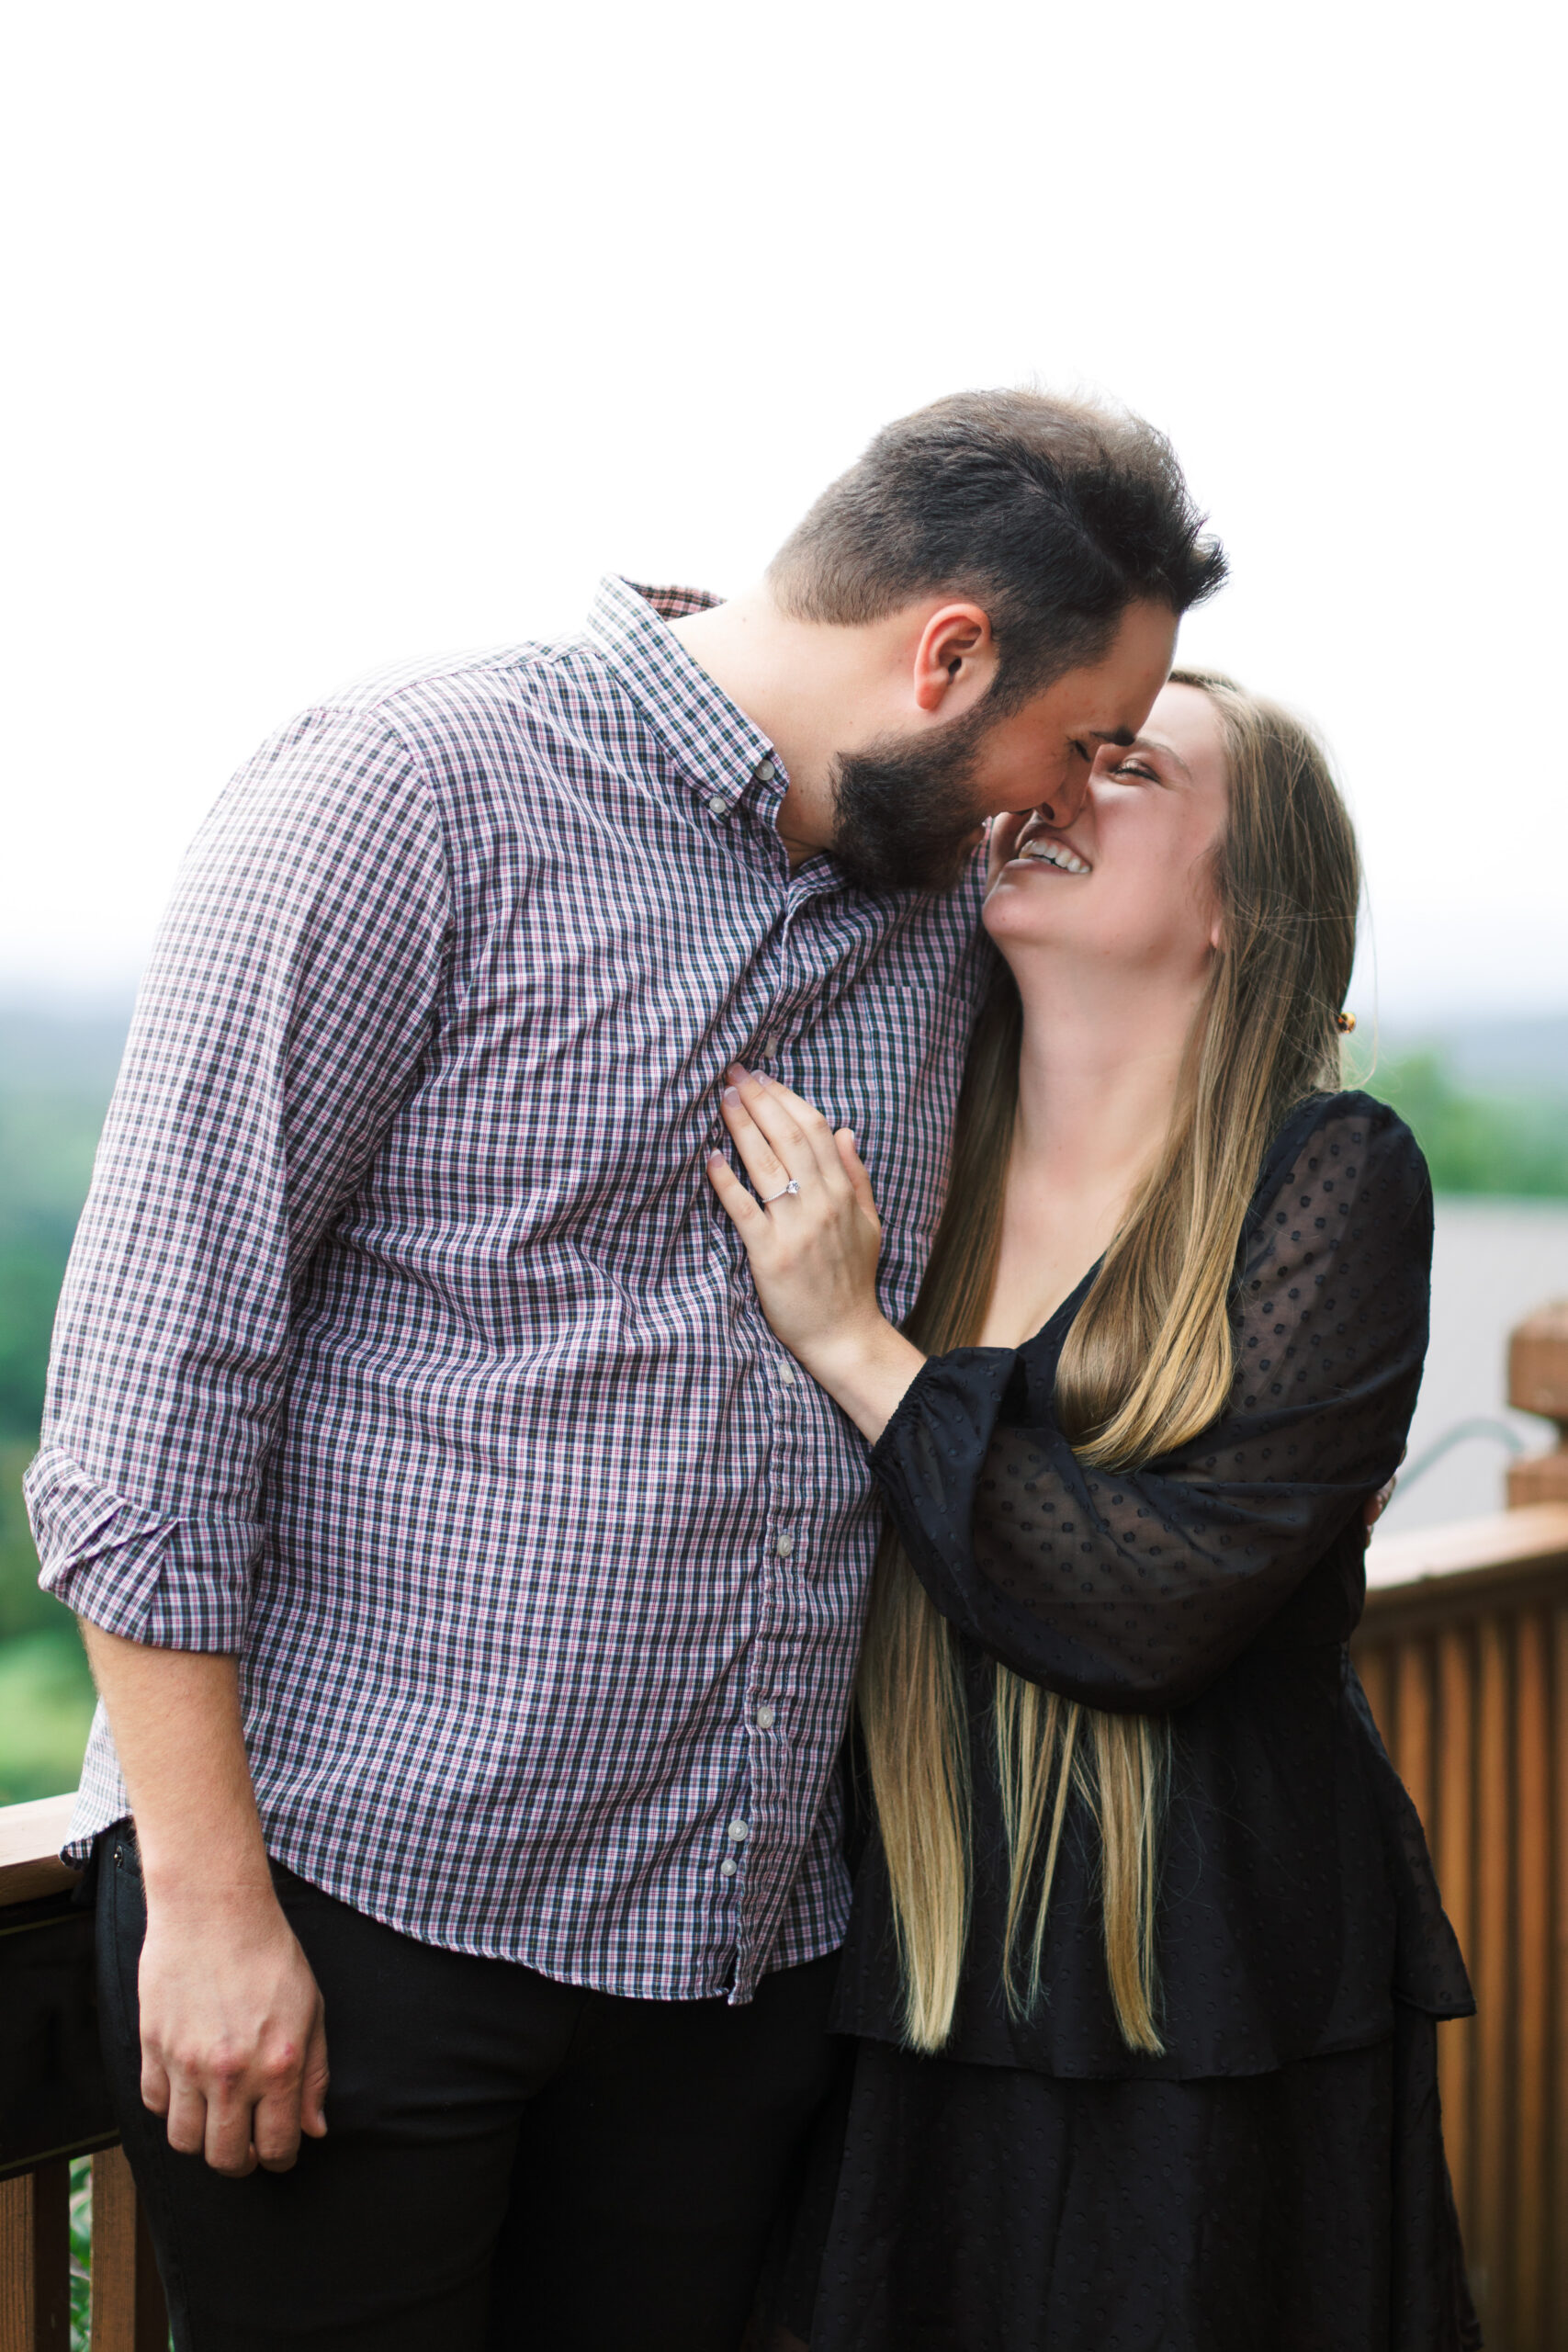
<point>1380,1502</point>
<point>233,2043</point>
<point>1377,1504</point>
<point>1001,839</point>
<point>233,2032</point>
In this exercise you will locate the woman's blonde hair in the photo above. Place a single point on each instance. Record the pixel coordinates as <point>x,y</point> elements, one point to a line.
<point>1147,1366</point>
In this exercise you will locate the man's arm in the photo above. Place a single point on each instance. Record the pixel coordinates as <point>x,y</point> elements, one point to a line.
<point>283,1018</point>
<point>233,2040</point>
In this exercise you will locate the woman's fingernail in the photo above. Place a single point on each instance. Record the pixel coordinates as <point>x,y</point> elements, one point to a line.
<point>736,1073</point>
<point>730,1094</point>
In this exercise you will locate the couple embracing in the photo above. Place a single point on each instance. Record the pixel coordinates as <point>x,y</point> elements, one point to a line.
<point>713,1426</point>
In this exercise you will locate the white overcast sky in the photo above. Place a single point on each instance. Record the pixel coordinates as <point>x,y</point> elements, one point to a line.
<point>348,330</point>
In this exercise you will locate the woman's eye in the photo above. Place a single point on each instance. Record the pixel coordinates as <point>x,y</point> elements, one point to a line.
<point>1137,768</point>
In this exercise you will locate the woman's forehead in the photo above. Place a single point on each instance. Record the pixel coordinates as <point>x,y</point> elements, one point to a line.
<point>1185,726</point>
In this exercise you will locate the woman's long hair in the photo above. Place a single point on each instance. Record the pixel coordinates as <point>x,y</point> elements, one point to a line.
<point>1147,1366</point>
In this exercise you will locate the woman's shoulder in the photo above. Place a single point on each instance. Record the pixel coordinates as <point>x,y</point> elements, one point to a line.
<point>1345,1166</point>
<point>1347,1139</point>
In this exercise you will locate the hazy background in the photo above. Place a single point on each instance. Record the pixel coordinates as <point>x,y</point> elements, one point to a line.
<point>346,332</point>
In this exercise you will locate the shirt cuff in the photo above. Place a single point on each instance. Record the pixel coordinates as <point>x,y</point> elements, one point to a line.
<point>176,1582</point>
<point>964,1387</point>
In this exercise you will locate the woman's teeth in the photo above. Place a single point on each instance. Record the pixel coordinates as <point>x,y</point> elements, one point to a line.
<point>1054,853</point>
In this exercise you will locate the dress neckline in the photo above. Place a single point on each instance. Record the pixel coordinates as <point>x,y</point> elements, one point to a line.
<point>1050,1339</point>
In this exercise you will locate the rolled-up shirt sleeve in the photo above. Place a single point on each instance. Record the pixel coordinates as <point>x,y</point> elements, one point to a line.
<point>284,1017</point>
<point>1134,1590</point>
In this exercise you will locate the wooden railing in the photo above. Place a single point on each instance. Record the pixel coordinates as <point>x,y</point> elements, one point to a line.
<point>1464,1651</point>
<point>54,2106</point>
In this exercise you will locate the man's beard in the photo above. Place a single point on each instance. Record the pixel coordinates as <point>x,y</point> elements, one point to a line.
<point>906,813</point>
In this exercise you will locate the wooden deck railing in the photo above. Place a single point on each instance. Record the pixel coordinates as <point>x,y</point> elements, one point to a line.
<point>1464,1651</point>
<point>54,2105</point>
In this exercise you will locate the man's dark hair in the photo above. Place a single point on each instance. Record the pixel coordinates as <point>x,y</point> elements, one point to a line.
<point>1053,515</point>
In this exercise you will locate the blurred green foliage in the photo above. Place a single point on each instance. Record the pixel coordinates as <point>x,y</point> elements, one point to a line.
<point>55,1078</point>
<point>1508,1144</point>
<point>55,1081</point>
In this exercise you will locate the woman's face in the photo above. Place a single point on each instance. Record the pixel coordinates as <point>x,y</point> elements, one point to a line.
<point>1127,885</point>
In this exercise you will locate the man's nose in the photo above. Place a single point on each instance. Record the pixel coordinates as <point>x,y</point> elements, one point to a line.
<point>1067,799</point>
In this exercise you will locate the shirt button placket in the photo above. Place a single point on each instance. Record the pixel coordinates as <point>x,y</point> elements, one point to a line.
<point>760,1755</point>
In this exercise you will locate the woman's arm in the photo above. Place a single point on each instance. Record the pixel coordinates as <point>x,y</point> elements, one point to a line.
<point>1130,1590</point>
<point>1134,1589</point>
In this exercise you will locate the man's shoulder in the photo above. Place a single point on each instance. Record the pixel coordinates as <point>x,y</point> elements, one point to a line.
<point>445,716</point>
<point>470,679</point>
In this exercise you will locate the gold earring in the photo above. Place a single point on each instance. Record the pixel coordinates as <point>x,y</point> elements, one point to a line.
<point>1345,1023</point>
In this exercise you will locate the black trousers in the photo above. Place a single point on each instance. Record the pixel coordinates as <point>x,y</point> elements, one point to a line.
<point>510,2162</point>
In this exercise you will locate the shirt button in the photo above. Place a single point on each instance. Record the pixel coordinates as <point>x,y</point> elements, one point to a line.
<point>786,1377</point>
<point>718,803</point>
<point>727,1867</point>
<point>784,1545</point>
<point>766,771</point>
<point>765,1718</point>
<point>739,1830</point>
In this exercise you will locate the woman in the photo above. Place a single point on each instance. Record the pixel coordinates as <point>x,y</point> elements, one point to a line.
<point>1147,1951</point>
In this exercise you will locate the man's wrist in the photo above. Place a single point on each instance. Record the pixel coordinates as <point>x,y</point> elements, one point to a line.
<point>223,1874</point>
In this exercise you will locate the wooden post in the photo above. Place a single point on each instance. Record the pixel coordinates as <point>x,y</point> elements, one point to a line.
<point>128,2312</point>
<point>35,2260</point>
<point>1538,1382</point>
<point>1532,2054</point>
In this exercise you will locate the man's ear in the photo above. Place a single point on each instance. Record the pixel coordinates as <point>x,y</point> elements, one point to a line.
<point>956,660</point>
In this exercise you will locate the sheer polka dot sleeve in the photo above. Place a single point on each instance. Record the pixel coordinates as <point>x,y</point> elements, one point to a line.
<point>1135,1591</point>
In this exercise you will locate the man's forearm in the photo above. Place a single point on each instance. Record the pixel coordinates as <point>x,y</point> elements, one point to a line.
<point>178,1732</point>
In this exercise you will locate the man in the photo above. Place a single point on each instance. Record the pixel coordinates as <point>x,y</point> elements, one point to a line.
<point>472,1587</point>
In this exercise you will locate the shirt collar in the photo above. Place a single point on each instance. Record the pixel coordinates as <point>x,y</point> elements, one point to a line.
<point>717,748</point>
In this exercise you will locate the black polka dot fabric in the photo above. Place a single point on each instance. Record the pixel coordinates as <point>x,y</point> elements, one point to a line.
<point>1135,1592</point>
<point>1039,2176</point>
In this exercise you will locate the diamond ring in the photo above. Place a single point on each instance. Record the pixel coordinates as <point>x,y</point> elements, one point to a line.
<point>782,1193</point>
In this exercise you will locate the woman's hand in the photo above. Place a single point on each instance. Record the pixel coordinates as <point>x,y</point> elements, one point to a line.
<point>812,1234</point>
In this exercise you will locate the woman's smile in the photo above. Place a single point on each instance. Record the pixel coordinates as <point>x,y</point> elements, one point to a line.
<point>1046,848</point>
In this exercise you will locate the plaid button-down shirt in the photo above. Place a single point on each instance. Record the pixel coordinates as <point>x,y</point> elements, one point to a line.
<point>405,1351</point>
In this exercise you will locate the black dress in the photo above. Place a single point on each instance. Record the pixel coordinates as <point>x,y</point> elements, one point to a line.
<point>1277,2178</point>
